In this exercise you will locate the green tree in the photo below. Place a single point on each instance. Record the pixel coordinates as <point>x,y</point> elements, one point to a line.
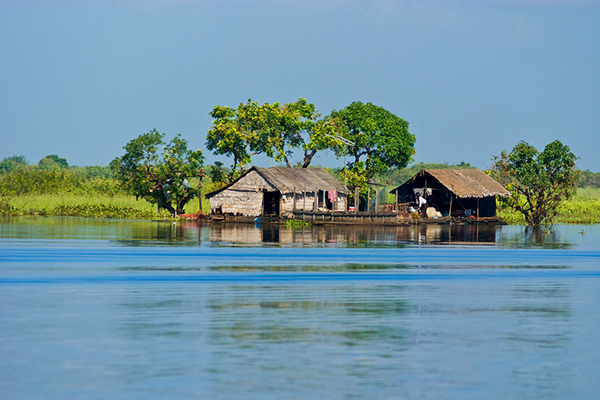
<point>538,182</point>
<point>12,163</point>
<point>296,126</point>
<point>53,161</point>
<point>234,134</point>
<point>589,178</point>
<point>276,130</point>
<point>160,178</point>
<point>380,141</point>
<point>218,174</point>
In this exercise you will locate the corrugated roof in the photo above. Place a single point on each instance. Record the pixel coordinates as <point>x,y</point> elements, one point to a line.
<point>463,182</point>
<point>285,179</point>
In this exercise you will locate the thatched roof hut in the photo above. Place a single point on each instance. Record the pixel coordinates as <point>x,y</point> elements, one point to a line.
<point>278,190</point>
<point>454,191</point>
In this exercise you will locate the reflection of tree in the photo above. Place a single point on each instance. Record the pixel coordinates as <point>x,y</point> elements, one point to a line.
<point>540,305</point>
<point>534,236</point>
<point>306,314</point>
<point>311,268</point>
<point>163,233</point>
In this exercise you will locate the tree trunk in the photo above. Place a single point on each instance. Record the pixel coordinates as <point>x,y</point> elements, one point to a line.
<point>200,176</point>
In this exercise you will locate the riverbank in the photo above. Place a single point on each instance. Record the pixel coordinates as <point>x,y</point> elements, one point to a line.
<point>584,208</point>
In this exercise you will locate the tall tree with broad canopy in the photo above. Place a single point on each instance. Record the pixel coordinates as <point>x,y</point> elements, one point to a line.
<point>276,130</point>
<point>160,177</point>
<point>53,161</point>
<point>538,182</point>
<point>380,141</point>
<point>12,163</point>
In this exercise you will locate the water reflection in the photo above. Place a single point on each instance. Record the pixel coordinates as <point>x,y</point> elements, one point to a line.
<point>248,314</point>
<point>353,235</point>
<point>150,233</point>
<point>508,340</point>
<point>535,236</point>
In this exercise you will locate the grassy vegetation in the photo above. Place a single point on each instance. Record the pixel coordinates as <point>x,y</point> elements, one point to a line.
<point>583,208</point>
<point>77,191</point>
<point>94,192</point>
<point>99,206</point>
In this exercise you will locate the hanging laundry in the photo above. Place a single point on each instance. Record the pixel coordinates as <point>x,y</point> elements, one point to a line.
<point>332,195</point>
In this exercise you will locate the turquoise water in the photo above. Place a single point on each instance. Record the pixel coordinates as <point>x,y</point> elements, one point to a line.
<point>96,309</point>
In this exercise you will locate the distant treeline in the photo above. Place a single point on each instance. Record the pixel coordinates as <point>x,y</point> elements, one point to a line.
<point>52,175</point>
<point>589,179</point>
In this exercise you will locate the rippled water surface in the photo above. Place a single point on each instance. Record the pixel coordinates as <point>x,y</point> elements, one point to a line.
<point>98,309</point>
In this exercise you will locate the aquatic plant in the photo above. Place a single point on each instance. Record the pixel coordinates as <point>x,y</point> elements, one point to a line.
<point>297,223</point>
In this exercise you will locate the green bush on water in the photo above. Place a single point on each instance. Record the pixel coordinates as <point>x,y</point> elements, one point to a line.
<point>297,223</point>
<point>101,211</point>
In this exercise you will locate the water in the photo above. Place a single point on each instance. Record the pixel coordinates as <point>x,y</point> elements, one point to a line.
<point>96,309</point>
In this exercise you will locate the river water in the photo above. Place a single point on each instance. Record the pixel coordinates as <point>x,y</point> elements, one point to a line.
<point>99,309</point>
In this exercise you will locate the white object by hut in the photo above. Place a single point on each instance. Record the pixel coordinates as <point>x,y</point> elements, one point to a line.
<point>454,191</point>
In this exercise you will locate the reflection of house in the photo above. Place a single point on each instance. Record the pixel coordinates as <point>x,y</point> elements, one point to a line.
<point>463,191</point>
<point>278,191</point>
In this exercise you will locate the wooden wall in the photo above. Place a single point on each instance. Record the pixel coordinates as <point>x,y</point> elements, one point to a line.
<point>245,197</point>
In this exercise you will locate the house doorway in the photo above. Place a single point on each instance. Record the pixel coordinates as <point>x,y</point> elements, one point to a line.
<point>271,202</point>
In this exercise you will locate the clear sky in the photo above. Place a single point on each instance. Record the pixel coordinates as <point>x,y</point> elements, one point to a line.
<point>80,78</point>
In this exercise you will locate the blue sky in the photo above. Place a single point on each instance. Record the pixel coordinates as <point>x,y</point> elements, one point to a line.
<point>81,78</point>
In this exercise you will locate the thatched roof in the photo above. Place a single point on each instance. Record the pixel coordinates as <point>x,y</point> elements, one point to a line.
<point>286,179</point>
<point>462,182</point>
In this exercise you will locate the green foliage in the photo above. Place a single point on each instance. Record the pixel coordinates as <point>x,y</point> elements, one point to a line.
<point>8,209</point>
<point>276,130</point>
<point>34,180</point>
<point>381,141</point>
<point>297,223</point>
<point>53,161</point>
<point>582,208</point>
<point>538,182</point>
<point>159,178</point>
<point>12,163</point>
<point>589,178</point>
<point>93,171</point>
<point>102,210</point>
<point>219,174</point>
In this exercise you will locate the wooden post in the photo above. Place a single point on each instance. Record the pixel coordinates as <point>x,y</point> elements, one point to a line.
<point>356,195</point>
<point>478,208</point>
<point>397,210</point>
<point>200,176</point>
<point>304,200</point>
<point>369,200</point>
<point>450,209</point>
<point>315,201</point>
<point>386,195</point>
<point>294,199</point>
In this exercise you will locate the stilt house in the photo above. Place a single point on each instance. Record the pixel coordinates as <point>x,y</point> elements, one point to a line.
<point>279,191</point>
<point>454,192</point>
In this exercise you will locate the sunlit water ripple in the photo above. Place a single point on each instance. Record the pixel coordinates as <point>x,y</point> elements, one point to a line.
<point>134,309</point>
